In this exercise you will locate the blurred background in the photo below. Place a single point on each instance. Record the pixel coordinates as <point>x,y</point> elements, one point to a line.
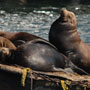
<point>36,16</point>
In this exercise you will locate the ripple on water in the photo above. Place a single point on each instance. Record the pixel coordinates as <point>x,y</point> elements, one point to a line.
<point>37,23</point>
<point>84,27</point>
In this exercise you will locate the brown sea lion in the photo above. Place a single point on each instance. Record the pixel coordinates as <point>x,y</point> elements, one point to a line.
<point>63,34</point>
<point>18,38</point>
<point>4,42</point>
<point>40,55</point>
<point>5,46</point>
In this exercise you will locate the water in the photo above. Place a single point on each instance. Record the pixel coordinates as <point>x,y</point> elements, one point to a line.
<point>37,20</point>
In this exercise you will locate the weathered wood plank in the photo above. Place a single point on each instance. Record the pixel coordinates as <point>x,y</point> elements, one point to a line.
<point>15,72</point>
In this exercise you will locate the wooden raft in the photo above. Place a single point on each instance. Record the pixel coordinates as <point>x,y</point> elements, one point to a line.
<point>10,79</point>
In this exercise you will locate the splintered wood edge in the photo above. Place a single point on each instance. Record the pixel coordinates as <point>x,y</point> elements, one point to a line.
<point>43,75</point>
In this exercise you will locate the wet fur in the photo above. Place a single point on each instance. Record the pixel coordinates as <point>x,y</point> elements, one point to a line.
<point>18,38</point>
<point>42,56</point>
<point>63,34</point>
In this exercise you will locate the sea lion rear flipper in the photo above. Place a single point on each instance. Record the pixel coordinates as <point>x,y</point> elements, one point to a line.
<point>80,71</point>
<point>77,69</point>
<point>42,41</point>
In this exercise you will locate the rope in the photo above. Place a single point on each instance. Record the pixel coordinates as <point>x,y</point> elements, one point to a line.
<point>64,86</point>
<point>85,87</point>
<point>24,74</point>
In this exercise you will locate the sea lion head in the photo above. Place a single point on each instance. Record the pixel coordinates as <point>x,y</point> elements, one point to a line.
<point>67,20</point>
<point>4,54</point>
<point>5,50</point>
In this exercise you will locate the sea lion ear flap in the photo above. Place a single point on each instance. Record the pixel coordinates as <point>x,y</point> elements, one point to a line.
<point>19,42</point>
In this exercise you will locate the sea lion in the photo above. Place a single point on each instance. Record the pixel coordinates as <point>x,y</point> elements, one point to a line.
<point>40,55</point>
<point>5,46</point>
<point>18,38</point>
<point>4,42</point>
<point>63,34</point>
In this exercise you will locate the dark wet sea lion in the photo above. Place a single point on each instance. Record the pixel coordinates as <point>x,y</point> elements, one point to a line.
<point>42,56</point>
<point>63,34</point>
<point>18,38</point>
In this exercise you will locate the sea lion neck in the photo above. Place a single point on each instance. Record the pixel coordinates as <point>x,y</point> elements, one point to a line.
<point>65,26</point>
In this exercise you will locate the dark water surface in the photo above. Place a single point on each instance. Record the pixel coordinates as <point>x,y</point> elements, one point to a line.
<point>38,19</point>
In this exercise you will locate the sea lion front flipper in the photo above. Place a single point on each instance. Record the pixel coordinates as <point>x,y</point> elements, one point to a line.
<point>66,70</point>
<point>18,42</point>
